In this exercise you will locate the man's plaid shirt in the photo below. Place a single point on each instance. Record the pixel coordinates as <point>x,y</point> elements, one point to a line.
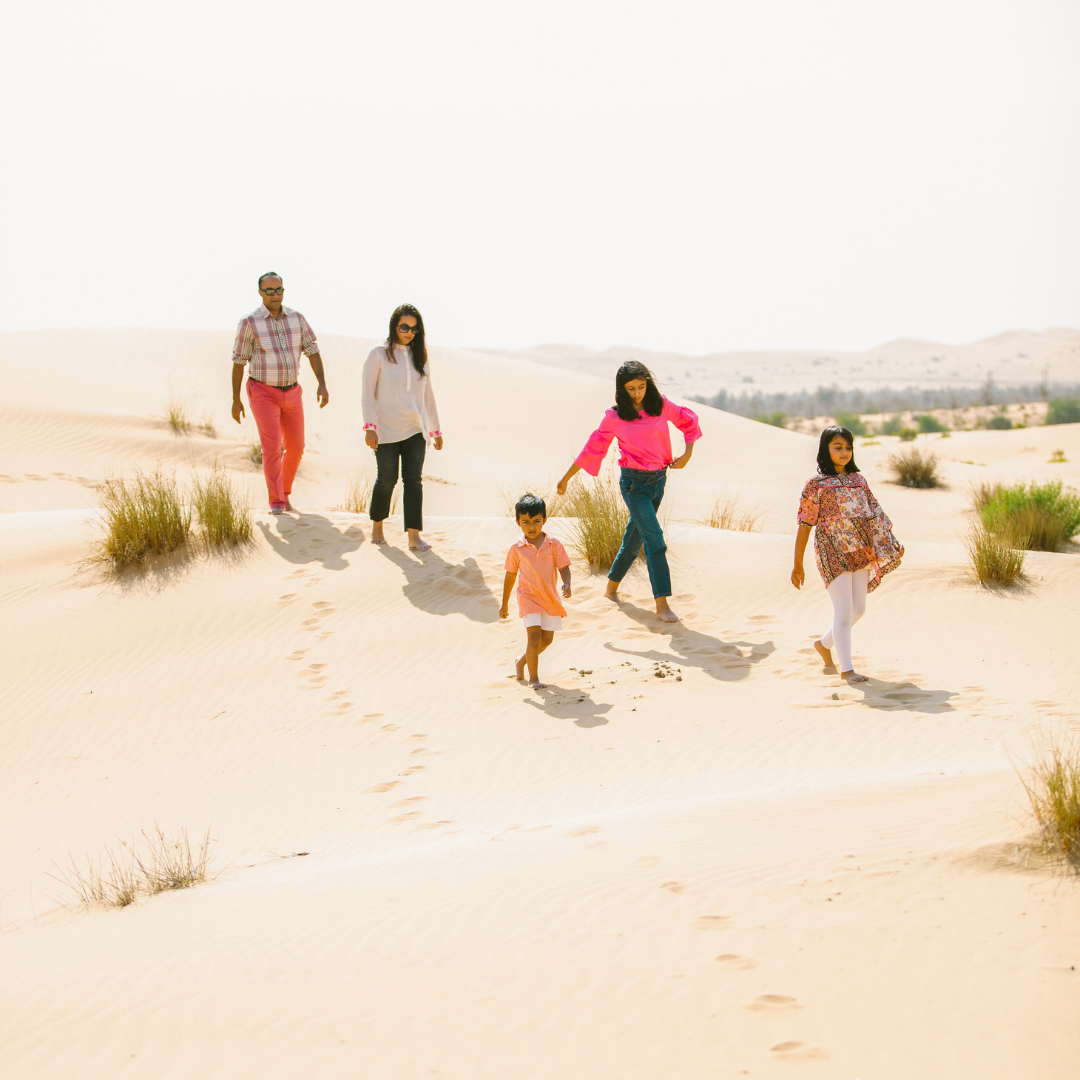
<point>272,347</point>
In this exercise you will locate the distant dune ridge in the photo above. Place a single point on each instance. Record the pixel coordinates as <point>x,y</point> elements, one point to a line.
<point>696,854</point>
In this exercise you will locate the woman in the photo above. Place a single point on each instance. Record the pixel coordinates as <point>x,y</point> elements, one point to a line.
<point>639,421</point>
<point>853,542</point>
<point>399,415</point>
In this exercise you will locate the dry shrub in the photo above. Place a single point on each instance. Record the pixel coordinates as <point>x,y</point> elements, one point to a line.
<point>1053,789</point>
<point>597,519</point>
<point>208,427</point>
<point>178,417</point>
<point>1031,516</point>
<point>729,512</point>
<point>255,453</point>
<point>224,514</point>
<point>915,467</point>
<point>142,516</point>
<point>358,495</point>
<point>993,560</point>
<point>119,878</point>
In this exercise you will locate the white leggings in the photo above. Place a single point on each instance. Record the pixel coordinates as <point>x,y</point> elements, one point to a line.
<point>848,596</point>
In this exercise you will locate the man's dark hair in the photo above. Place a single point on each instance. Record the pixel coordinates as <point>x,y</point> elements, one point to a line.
<point>530,505</point>
<point>624,403</point>
<point>269,273</point>
<point>824,458</point>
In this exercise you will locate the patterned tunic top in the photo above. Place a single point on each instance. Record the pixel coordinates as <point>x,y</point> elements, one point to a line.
<point>852,530</point>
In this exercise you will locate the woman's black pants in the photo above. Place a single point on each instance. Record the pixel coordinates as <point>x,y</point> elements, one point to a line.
<point>410,452</point>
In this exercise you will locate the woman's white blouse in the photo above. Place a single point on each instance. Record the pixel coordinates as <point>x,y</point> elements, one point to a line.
<point>397,403</point>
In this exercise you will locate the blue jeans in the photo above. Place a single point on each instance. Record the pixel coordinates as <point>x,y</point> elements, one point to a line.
<point>643,492</point>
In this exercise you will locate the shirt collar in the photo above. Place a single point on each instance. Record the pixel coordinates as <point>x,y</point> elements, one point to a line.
<point>523,542</point>
<point>264,312</point>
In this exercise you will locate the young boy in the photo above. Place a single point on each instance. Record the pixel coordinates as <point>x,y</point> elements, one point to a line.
<point>536,557</point>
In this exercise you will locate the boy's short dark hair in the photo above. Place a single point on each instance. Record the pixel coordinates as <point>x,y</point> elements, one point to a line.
<point>530,505</point>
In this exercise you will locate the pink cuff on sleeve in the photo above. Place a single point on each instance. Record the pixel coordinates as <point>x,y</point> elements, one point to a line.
<point>370,427</point>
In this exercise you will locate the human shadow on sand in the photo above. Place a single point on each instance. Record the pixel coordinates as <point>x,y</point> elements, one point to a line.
<point>311,538</point>
<point>442,588</point>
<point>903,697</point>
<point>722,660</point>
<point>574,705</point>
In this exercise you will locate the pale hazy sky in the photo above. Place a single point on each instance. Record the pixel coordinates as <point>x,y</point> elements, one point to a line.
<point>695,175</point>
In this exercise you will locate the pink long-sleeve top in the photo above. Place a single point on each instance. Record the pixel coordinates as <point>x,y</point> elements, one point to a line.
<point>644,443</point>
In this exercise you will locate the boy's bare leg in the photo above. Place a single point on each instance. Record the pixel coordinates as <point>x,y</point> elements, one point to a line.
<point>377,533</point>
<point>545,640</point>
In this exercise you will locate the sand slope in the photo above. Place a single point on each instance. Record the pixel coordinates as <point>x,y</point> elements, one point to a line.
<point>741,868</point>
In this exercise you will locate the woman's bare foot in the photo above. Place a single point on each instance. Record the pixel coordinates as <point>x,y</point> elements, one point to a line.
<point>377,533</point>
<point>824,653</point>
<point>853,676</point>
<point>664,612</point>
<point>415,543</point>
<point>612,591</point>
<point>536,684</point>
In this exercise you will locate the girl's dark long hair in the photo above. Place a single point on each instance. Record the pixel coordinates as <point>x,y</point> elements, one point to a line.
<point>824,461</point>
<point>417,347</point>
<point>624,403</point>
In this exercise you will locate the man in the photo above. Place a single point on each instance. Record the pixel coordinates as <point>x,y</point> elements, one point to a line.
<point>269,342</point>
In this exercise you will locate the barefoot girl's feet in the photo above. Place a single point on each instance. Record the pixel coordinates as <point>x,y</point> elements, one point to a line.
<point>824,653</point>
<point>377,533</point>
<point>612,591</point>
<point>853,676</point>
<point>415,543</point>
<point>664,612</point>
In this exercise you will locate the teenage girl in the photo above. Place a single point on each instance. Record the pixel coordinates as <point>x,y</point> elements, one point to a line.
<point>853,542</point>
<point>639,421</point>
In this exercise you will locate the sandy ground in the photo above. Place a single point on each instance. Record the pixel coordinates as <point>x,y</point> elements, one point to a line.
<point>741,868</point>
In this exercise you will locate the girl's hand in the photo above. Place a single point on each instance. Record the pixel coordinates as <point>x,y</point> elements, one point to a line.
<point>560,487</point>
<point>681,461</point>
<point>437,442</point>
<point>372,439</point>
<point>798,576</point>
<point>504,612</point>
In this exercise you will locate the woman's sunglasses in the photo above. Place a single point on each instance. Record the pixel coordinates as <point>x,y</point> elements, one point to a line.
<point>405,328</point>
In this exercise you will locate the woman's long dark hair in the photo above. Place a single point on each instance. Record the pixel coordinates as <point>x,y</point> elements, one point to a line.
<point>417,347</point>
<point>824,461</point>
<point>624,403</point>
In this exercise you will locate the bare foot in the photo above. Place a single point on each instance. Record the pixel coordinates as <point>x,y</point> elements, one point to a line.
<point>289,508</point>
<point>519,667</point>
<point>377,533</point>
<point>664,612</point>
<point>536,684</point>
<point>853,676</point>
<point>824,653</point>
<point>415,543</point>
<point>612,591</point>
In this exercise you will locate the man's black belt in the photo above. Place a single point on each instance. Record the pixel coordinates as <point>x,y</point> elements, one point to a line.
<point>290,386</point>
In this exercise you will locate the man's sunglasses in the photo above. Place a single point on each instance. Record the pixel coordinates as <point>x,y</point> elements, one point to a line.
<point>275,292</point>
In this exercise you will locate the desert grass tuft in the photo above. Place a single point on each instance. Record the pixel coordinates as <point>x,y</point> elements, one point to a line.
<point>546,491</point>
<point>255,454</point>
<point>176,413</point>
<point>223,513</point>
<point>168,864</point>
<point>915,467</point>
<point>112,881</point>
<point>1032,516</point>
<point>358,495</point>
<point>730,512</point>
<point>993,560</point>
<point>597,518</point>
<point>1053,789</point>
<point>143,516</point>
<point>208,427</point>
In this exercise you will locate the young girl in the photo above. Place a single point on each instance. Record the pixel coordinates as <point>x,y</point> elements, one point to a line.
<point>853,542</point>
<point>399,416</point>
<point>639,421</point>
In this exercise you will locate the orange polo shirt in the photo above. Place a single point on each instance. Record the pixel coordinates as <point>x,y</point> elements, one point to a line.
<point>537,569</point>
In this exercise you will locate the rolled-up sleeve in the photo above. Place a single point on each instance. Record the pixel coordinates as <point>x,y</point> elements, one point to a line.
<point>244,344</point>
<point>308,344</point>
<point>369,384</point>
<point>809,503</point>
<point>592,456</point>
<point>686,420</point>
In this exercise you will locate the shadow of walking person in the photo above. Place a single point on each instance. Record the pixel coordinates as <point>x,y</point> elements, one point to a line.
<point>574,705</point>
<point>721,660</point>
<point>904,697</point>
<point>312,538</point>
<point>442,588</point>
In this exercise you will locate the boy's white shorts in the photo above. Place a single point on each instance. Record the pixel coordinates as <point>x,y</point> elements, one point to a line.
<point>543,620</point>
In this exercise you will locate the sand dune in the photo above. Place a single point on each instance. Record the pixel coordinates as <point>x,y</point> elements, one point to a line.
<point>742,867</point>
